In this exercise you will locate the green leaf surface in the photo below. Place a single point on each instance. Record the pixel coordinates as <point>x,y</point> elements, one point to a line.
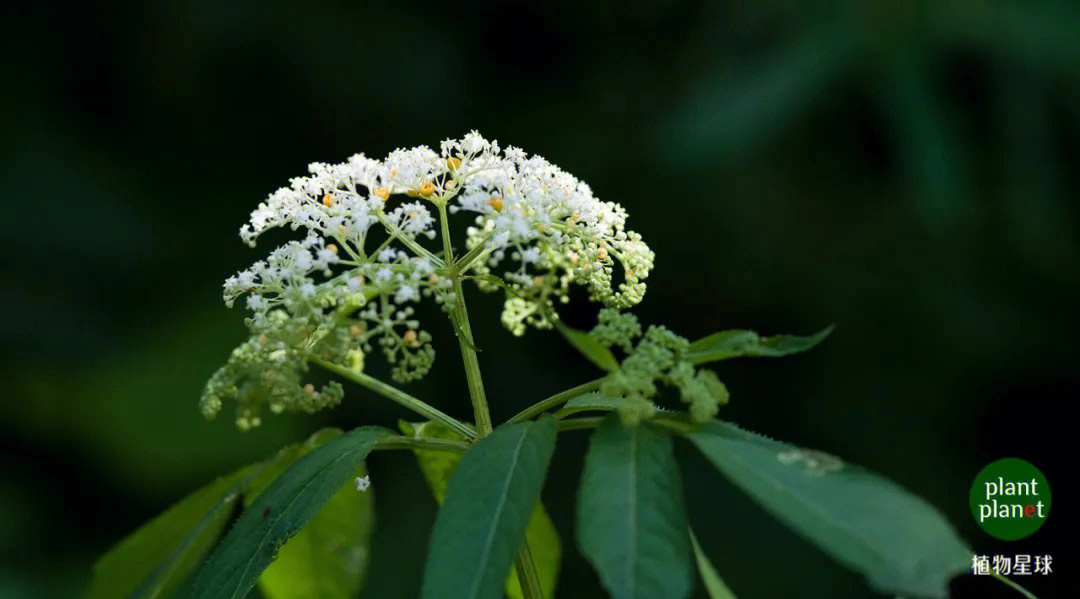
<point>328,558</point>
<point>739,343</point>
<point>589,402</point>
<point>543,539</point>
<point>546,550</point>
<point>293,499</point>
<point>631,522</point>
<point>595,402</point>
<point>589,347</point>
<point>156,558</point>
<point>714,585</point>
<point>437,466</point>
<point>285,457</point>
<point>868,523</point>
<point>488,505</point>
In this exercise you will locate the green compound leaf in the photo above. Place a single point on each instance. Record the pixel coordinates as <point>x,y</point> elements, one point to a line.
<point>596,402</point>
<point>631,523</point>
<point>868,523</point>
<point>543,539</point>
<point>589,402</point>
<point>592,349</point>
<point>294,498</point>
<point>739,343</point>
<point>714,585</point>
<point>156,558</point>
<point>488,505</point>
<point>437,466</point>
<point>546,550</point>
<point>285,457</point>
<point>328,558</point>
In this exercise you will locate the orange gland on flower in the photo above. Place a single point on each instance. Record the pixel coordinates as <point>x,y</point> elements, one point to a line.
<point>426,189</point>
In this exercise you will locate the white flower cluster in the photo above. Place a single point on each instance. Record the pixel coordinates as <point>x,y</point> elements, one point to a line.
<point>351,280</point>
<point>549,224</point>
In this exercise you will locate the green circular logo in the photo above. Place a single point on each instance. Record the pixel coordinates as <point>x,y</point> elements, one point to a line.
<point>1010,499</point>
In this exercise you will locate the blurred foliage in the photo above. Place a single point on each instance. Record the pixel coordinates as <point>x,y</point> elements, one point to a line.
<point>908,170</point>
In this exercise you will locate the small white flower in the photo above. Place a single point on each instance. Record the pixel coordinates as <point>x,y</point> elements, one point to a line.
<point>362,483</point>
<point>245,280</point>
<point>323,259</point>
<point>530,256</point>
<point>406,293</point>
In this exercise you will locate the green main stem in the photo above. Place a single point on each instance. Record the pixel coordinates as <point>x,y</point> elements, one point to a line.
<point>528,579</point>
<point>526,568</point>
<point>472,365</point>
<point>460,316</point>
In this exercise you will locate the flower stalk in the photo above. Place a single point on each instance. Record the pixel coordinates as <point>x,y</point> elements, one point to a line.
<point>397,396</point>
<point>556,400</point>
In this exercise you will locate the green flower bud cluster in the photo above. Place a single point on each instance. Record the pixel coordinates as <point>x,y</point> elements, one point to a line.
<point>519,313</point>
<point>268,371</point>
<point>656,358</point>
<point>616,329</point>
<point>409,351</point>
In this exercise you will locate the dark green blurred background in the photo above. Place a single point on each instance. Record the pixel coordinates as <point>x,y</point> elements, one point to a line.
<point>909,173</point>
